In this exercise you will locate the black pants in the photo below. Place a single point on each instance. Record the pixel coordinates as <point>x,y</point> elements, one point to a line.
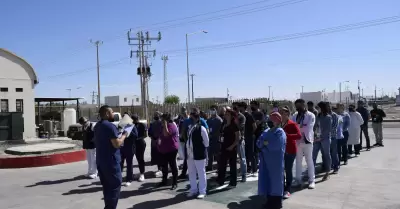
<point>184,168</point>
<point>342,147</point>
<point>212,155</point>
<point>224,158</point>
<point>169,159</point>
<point>140,148</point>
<point>274,202</point>
<point>289,161</point>
<point>250,154</point>
<point>364,129</point>
<point>127,153</point>
<point>357,149</point>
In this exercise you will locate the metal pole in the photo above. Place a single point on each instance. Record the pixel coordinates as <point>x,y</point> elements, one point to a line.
<point>187,67</point>
<point>375,93</point>
<point>98,74</point>
<point>359,93</point>
<point>192,75</point>
<point>269,93</point>
<point>302,89</point>
<point>340,92</point>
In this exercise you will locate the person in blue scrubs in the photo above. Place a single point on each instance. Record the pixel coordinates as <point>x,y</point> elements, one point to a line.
<point>108,156</point>
<point>186,123</point>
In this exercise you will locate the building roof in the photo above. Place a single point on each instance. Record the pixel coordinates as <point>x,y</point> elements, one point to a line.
<point>30,68</point>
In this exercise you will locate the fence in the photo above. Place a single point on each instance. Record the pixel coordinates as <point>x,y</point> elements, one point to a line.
<point>54,112</point>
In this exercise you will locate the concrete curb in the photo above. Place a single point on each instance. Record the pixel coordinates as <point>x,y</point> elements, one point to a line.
<point>42,160</point>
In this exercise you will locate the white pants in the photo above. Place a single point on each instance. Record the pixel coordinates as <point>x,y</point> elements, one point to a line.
<point>91,159</point>
<point>181,151</point>
<point>305,150</point>
<point>197,168</point>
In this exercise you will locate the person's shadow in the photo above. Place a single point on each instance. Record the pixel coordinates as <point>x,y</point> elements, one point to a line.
<point>253,202</point>
<point>84,191</point>
<point>60,181</point>
<point>161,203</point>
<point>144,189</point>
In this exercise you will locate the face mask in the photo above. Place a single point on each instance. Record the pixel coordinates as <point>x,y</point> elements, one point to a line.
<point>235,109</point>
<point>270,124</point>
<point>156,118</point>
<point>213,112</point>
<point>253,108</point>
<point>111,120</point>
<point>351,109</point>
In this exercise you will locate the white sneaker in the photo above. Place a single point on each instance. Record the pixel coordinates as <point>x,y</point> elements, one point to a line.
<point>127,184</point>
<point>93,176</point>
<point>254,175</point>
<point>311,185</point>
<point>191,194</point>
<point>141,178</point>
<point>158,174</point>
<point>201,196</point>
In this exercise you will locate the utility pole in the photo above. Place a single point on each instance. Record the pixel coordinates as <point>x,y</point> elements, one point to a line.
<point>97,44</point>
<point>269,93</point>
<point>302,89</point>
<point>375,93</point>
<point>93,96</point>
<point>227,94</point>
<point>165,59</point>
<point>192,75</point>
<point>143,70</point>
<point>359,93</point>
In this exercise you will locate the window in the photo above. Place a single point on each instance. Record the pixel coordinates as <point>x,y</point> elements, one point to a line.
<point>19,105</point>
<point>19,89</point>
<point>137,99</point>
<point>3,89</point>
<point>4,105</point>
<point>125,99</point>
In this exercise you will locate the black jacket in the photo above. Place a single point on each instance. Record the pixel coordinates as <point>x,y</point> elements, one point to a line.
<point>199,150</point>
<point>88,137</point>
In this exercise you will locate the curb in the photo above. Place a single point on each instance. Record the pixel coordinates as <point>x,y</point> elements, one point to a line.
<point>42,160</point>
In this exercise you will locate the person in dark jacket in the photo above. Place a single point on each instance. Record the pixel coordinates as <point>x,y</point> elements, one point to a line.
<point>364,128</point>
<point>89,146</point>
<point>140,146</point>
<point>196,151</point>
<point>127,153</point>
<point>214,123</point>
<point>377,116</point>
<point>154,134</point>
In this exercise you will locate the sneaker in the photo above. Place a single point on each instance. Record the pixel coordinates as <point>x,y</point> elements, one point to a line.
<point>335,171</point>
<point>141,178</point>
<point>191,194</point>
<point>128,183</point>
<point>311,185</point>
<point>201,196</point>
<point>254,174</point>
<point>326,177</point>
<point>174,186</point>
<point>158,174</point>
<point>93,176</point>
<point>286,195</point>
<point>381,145</point>
<point>345,163</point>
<point>376,145</point>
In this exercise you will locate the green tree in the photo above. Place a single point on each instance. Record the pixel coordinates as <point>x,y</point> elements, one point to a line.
<point>172,99</point>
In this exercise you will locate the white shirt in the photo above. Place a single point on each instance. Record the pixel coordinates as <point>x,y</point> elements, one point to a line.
<point>189,144</point>
<point>307,125</point>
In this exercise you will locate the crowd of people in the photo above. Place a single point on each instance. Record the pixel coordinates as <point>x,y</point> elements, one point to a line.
<point>264,146</point>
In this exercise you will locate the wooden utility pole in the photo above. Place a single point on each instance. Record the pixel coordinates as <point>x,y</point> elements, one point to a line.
<point>97,44</point>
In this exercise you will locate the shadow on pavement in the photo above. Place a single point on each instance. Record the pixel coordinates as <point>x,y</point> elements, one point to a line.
<point>144,189</point>
<point>161,203</point>
<point>253,202</point>
<point>84,191</point>
<point>60,181</point>
<point>95,183</point>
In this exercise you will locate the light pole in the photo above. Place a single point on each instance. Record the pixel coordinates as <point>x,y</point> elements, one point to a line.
<point>340,90</point>
<point>269,93</point>
<point>187,60</point>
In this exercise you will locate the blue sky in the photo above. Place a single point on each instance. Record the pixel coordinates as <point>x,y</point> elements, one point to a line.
<point>54,37</point>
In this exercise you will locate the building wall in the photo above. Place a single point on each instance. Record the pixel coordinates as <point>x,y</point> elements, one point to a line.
<point>312,96</point>
<point>345,97</point>
<point>128,100</point>
<point>14,74</point>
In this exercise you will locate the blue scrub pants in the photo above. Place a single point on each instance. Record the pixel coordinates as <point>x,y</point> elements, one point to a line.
<point>325,147</point>
<point>127,154</point>
<point>111,179</point>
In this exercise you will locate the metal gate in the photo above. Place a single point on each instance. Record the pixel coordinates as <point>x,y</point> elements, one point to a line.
<point>11,126</point>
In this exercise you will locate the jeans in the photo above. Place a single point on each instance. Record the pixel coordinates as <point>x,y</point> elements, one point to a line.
<point>334,154</point>
<point>242,157</point>
<point>342,147</point>
<point>289,161</point>
<point>140,149</point>
<point>169,159</point>
<point>324,145</point>
<point>364,129</point>
<point>250,155</point>
<point>231,157</point>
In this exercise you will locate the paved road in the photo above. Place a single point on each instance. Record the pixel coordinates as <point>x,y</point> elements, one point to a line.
<point>370,181</point>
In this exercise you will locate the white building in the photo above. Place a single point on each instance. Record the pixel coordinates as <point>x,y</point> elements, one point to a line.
<point>17,83</point>
<point>312,96</point>
<point>344,97</point>
<point>128,100</point>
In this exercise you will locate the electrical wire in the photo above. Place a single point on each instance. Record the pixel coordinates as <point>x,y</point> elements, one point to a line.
<point>198,50</point>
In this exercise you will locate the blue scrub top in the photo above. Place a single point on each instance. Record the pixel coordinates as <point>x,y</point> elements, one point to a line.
<point>187,122</point>
<point>106,154</point>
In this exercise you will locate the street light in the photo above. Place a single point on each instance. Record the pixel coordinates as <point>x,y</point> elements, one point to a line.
<point>187,60</point>
<point>70,90</point>
<point>340,90</point>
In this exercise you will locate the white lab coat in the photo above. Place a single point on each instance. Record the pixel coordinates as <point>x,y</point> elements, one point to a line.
<point>354,129</point>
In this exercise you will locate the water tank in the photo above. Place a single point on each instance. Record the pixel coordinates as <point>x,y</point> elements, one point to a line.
<point>48,126</point>
<point>69,118</point>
